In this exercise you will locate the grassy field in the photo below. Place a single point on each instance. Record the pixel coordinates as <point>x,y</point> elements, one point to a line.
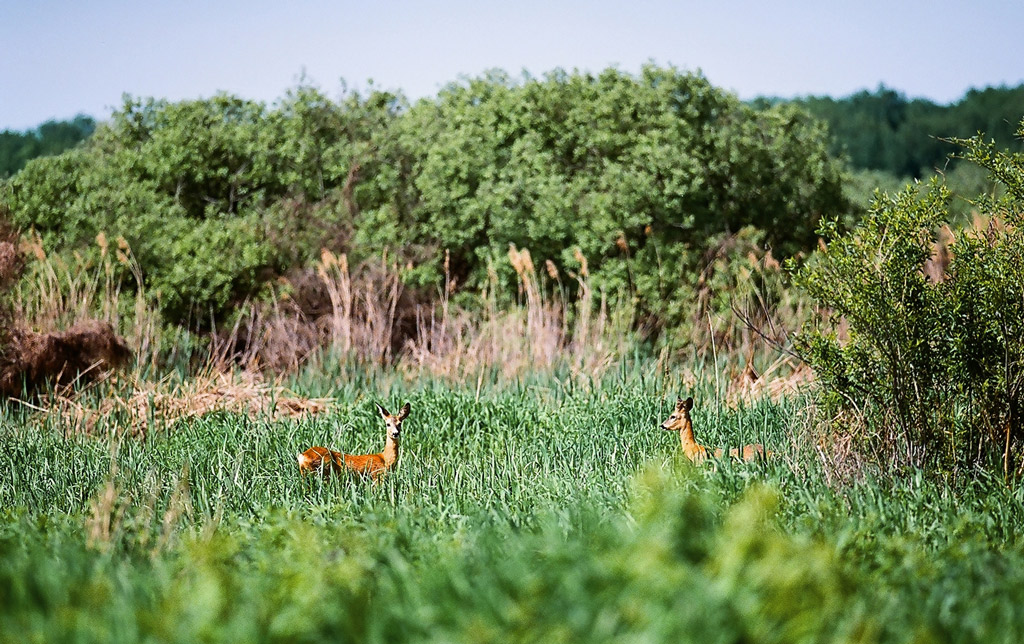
<point>532,511</point>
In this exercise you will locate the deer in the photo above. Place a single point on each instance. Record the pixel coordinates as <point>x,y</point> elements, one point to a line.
<point>328,462</point>
<point>679,421</point>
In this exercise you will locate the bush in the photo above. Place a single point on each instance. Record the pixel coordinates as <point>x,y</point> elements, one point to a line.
<point>642,174</point>
<point>936,363</point>
<point>195,189</point>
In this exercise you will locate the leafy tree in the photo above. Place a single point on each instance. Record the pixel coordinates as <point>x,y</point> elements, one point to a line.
<point>212,195</point>
<point>638,173</point>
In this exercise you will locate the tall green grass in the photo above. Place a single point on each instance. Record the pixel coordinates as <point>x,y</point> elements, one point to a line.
<point>544,510</point>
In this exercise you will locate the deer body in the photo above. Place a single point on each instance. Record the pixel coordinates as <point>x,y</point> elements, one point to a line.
<point>327,461</point>
<point>749,452</point>
<point>321,459</point>
<point>679,420</point>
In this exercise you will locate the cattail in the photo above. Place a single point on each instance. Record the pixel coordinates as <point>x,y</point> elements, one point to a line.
<point>578,256</point>
<point>518,259</point>
<point>527,262</point>
<point>327,258</point>
<point>620,242</point>
<point>101,241</point>
<point>552,270</point>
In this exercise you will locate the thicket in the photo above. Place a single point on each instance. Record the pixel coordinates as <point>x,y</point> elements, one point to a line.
<point>933,346</point>
<point>641,175</point>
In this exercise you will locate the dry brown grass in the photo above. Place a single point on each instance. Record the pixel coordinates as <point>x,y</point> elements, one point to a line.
<point>53,296</point>
<point>12,263</point>
<point>542,333</point>
<point>357,315</point>
<point>784,377</point>
<point>365,315</point>
<point>148,405</point>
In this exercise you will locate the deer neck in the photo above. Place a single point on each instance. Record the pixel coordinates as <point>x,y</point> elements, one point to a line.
<point>686,435</point>
<point>390,452</point>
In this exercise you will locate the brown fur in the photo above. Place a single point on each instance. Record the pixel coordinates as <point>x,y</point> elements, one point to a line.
<point>679,420</point>
<point>750,452</point>
<point>328,462</point>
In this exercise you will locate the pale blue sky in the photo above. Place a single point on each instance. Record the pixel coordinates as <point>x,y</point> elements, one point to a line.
<point>64,57</point>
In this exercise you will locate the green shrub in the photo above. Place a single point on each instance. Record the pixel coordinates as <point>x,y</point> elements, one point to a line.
<point>937,363</point>
<point>200,191</point>
<point>643,174</point>
<point>872,278</point>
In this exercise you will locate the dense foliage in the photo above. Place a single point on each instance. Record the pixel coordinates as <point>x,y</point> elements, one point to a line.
<point>937,353</point>
<point>52,137</point>
<point>639,174</point>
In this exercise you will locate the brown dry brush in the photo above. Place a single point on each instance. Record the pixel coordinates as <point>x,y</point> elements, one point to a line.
<point>12,263</point>
<point>544,332</point>
<point>366,315</point>
<point>31,361</point>
<point>35,362</point>
<point>363,314</point>
<point>146,405</point>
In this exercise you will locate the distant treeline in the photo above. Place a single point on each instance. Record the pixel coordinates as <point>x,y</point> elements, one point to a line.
<point>52,137</point>
<point>886,131</point>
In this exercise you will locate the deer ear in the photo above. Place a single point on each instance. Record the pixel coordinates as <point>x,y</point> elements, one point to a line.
<point>404,412</point>
<point>688,404</point>
<point>383,412</point>
<point>679,403</point>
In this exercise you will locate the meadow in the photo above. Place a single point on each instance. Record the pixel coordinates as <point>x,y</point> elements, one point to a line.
<point>540,268</point>
<point>545,508</point>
